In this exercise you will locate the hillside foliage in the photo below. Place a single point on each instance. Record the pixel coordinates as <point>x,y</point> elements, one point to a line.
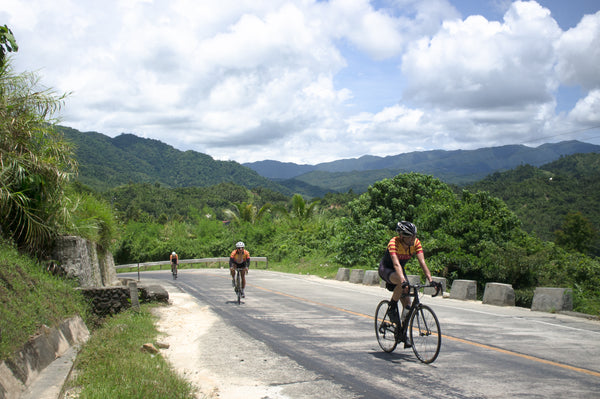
<point>111,162</point>
<point>546,198</point>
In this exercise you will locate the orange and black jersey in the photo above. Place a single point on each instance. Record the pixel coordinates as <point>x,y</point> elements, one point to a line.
<point>239,258</point>
<point>403,253</point>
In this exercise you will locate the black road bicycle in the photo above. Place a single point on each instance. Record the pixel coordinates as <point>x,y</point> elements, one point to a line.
<point>420,326</point>
<point>174,270</point>
<point>238,284</point>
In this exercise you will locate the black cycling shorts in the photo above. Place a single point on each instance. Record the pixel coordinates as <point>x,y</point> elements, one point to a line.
<point>386,272</point>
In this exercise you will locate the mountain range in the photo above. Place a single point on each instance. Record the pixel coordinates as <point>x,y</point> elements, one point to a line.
<point>106,162</point>
<point>457,167</point>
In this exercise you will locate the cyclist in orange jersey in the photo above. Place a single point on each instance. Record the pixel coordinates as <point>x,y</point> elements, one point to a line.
<point>239,258</point>
<point>400,250</point>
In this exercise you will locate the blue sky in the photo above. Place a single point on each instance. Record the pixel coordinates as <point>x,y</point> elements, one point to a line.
<point>311,81</point>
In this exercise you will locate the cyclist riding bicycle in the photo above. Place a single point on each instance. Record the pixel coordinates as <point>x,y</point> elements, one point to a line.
<point>400,250</point>
<point>239,259</point>
<point>174,260</point>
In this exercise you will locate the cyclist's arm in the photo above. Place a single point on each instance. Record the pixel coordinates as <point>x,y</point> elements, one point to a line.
<point>421,259</point>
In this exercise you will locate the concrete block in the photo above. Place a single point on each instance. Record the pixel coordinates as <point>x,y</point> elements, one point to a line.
<point>431,290</point>
<point>464,290</point>
<point>133,295</point>
<point>414,279</point>
<point>154,293</point>
<point>357,276</point>
<point>343,274</point>
<point>499,294</point>
<point>546,299</point>
<point>371,277</point>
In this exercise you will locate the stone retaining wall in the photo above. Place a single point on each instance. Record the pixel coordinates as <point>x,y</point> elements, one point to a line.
<point>112,300</point>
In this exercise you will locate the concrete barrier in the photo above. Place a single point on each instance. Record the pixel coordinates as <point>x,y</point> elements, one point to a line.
<point>547,299</point>
<point>343,274</point>
<point>19,371</point>
<point>414,279</point>
<point>465,290</point>
<point>499,294</point>
<point>371,277</point>
<point>431,290</point>
<point>357,276</point>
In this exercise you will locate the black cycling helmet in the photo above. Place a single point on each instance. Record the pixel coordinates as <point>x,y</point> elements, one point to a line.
<point>407,229</point>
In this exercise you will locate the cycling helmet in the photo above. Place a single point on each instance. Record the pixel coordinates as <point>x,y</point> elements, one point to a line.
<point>239,244</point>
<point>173,253</point>
<point>406,228</point>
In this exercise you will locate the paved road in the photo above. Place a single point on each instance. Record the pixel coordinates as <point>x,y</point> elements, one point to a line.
<point>321,333</point>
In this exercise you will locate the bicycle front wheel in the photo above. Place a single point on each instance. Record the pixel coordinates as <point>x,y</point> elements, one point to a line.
<point>425,334</point>
<point>238,287</point>
<point>384,329</point>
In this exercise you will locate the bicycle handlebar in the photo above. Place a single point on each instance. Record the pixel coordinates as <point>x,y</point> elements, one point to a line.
<point>438,287</point>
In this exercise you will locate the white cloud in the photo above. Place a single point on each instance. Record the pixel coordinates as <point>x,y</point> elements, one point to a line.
<point>587,110</point>
<point>478,63</point>
<point>578,52</point>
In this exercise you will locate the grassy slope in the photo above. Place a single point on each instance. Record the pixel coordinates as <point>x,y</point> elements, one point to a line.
<point>30,298</point>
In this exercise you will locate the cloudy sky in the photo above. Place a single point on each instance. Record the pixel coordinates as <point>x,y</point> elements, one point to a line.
<point>311,81</point>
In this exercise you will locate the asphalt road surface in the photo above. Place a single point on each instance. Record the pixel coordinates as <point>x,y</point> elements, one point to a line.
<point>317,340</point>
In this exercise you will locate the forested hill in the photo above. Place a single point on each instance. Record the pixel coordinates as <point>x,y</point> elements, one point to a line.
<point>106,162</point>
<point>542,197</point>
<point>455,167</point>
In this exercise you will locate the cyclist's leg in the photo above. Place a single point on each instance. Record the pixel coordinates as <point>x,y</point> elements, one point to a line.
<point>232,272</point>
<point>400,293</point>
<point>243,273</point>
<point>386,275</point>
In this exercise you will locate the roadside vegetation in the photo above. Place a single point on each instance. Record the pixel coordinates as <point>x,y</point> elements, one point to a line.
<point>115,350</point>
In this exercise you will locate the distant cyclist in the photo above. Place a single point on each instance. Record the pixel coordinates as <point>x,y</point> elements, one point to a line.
<point>391,268</point>
<point>239,259</point>
<point>174,262</point>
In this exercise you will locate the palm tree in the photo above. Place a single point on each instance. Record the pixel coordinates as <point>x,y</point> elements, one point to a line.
<point>35,161</point>
<point>300,211</point>
<point>247,212</point>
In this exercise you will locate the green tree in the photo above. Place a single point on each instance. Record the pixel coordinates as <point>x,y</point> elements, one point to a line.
<point>396,199</point>
<point>576,234</point>
<point>299,211</point>
<point>7,43</point>
<point>35,161</point>
<point>247,212</point>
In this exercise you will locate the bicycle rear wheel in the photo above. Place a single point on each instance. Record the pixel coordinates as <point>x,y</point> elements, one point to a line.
<point>425,334</point>
<point>384,329</point>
